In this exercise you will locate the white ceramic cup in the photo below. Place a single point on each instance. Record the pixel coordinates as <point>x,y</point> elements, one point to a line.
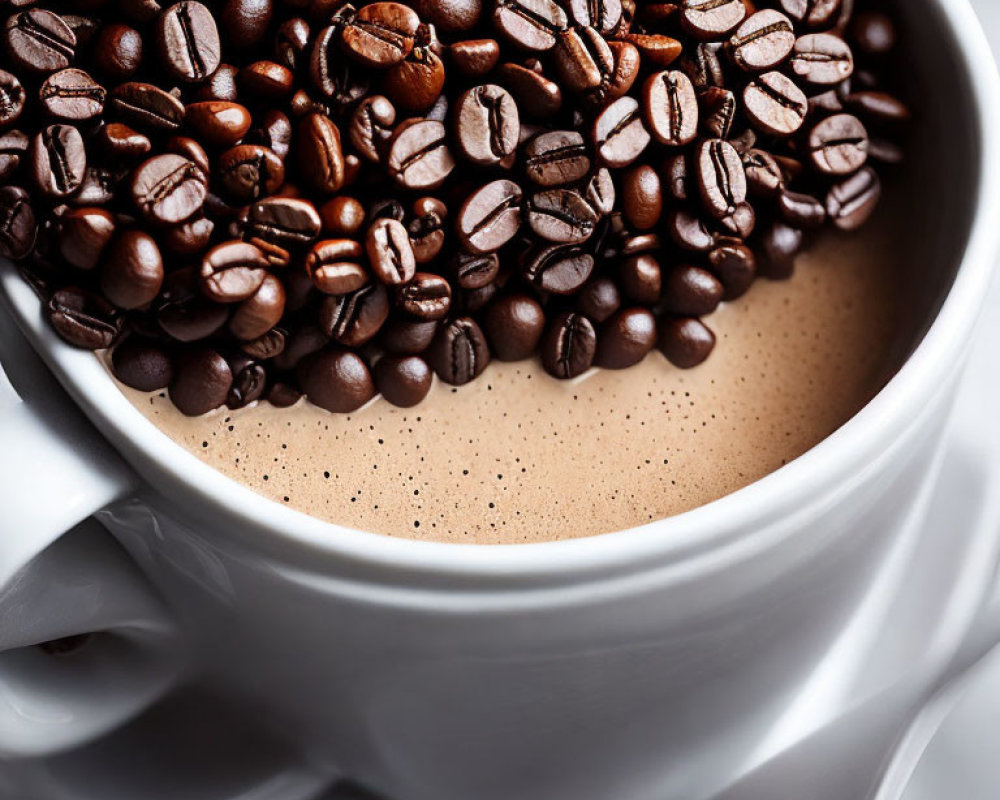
<point>751,648</point>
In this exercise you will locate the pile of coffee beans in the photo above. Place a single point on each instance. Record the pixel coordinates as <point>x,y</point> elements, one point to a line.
<point>263,198</point>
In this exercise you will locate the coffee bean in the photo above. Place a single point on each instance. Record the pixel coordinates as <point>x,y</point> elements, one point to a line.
<point>599,299</point>
<point>536,95</point>
<point>426,297</point>
<point>232,271</point>
<point>387,245</point>
<point>568,345</point>
<point>221,85</point>
<point>556,158</point>
<point>342,216</point>
<point>474,58</point>
<point>118,51</point>
<point>801,210</point>
<point>18,227</point>
<point>352,319</point>
<point>12,96</point>
<point>132,273</point>
<point>839,145</point>
<point>403,380</point>
<point>281,395</point>
<point>851,202</point>
<point>183,313</point>
<point>822,59</point>
<point>249,171</point>
<point>514,325</point>
<point>70,94</point>
<point>267,345</point>
<point>656,50</point>
<point>459,352</point>
<point>873,33</point>
<point>764,175</point>
<point>640,278</point>
<point>774,104</point>
<point>98,187</point>
<point>188,41</point>
<point>450,15</point>
<point>473,270</point>
<point>583,60</point>
<point>83,235</point>
<point>142,364</point>
<point>721,179</point>
<point>685,341</point>
<point>168,188</point>
<point>260,312</point>
<point>146,107</point>
<point>712,19</point>
<point>814,13</point>
<point>380,34</point>
<point>13,148</point>
<point>490,217</point>
<point>625,339</point>
<point>291,42</point>
<point>559,269</point>
<point>735,265</point>
<point>427,237</point>
<point>39,41</point>
<point>201,382</point>
<point>619,134</point>
<point>337,380</point>
<point>120,141</point>
<point>604,16</point>
<point>642,197</point>
<point>670,108</point>
<point>218,122</point>
<point>741,222</point>
<point>777,249</point>
<point>561,215</point>
<point>689,231</point>
<point>285,221</point>
<point>531,24</point>
<point>878,150</point>
<point>249,381</point>
<point>189,237</point>
<point>404,337</point>
<point>419,158</point>
<point>416,82</point>
<point>320,156</point>
<point>763,41</point>
<point>487,124</point>
<point>301,343</point>
<point>691,291</point>
<point>599,192</point>
<point>371,126</point>
<point>333,265</point>
<point>59,160</point>
<point>83,319</point>
<point>704,66</point>
<point>879,105</point>
<point>245,22</point>
<point>626,62</point>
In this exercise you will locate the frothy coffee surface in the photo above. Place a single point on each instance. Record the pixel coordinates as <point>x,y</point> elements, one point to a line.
<point>519,457</point>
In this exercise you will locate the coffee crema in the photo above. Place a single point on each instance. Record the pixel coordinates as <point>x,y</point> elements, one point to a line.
<point>518,457</point>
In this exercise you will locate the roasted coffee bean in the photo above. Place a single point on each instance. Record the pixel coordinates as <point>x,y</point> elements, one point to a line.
<point>473,271</point>
<point>120,141</point>
<point>712,19</point>
<point>625,339</point>
<point>721,179</point>
<point>404,337</point>
<point>40,41</point>
<point>487,124</point>
<point>245,22</point>
<point>13,149</point>
<point>878,105</point>
<point>735,265</point>
<point>371,126</point>
<point>642,197</point>
<point>513,326</point>
<point>142,364</point>
<point>132,272</point>
<point>559,269</point>
<point>531,24</point>
<point>703,65</point>
<point>691,291</point>
<point>387,245</point>
<point>626,61</point>
<point>556,158</point>
<point>474,58</point>
<point>822,59</point>
<point>342,216</point>
<point>717,110</point>
<point>221,85</point>
<point>427,237</point>
<point>301,343</point>
<point>201,382</point>
<point>774,104</point>
<point>873,33</point>
<point>18,226</point>
<point>189,237</point>
<point>670,108</point>
<point>763,41</point>
<point>656,50</point>
<point>605,16</point>
<point>334,266</point>
<point>83,235</point>
<point>232,271</point>
<point>839,145</point>
<point>336,77</point>
<point>419,158</point>
<point>380,34</point>
<point>568,345</point>
<point>260,312</point>
<point>183,313</point>
<point>426,297</point>
<point>459,352</point>
<point>561,215</point>
<point>878,150</point>
<point>188,41</point>
<point>267,345</point>
<point>291,43</point>
<point>168,188</point>
<point>450,15</point>
<point>536,95</point>
<point>218,122</point>
<point>764,175</point>
<point>352,319</point>
<point>741,222</point>
<point>336,380</point>
<point>675,177</point>
<point>320,156</point>
<point>12,96</point>
<point>641,279</point>
<point>146,107</point>
<point>98,187</point>
<point>83,319</point>
<point>599,192</point>
<point>248,172</point>
<point>59,160</point>
<point>403,380</point>
<point>584,60</point>
<point>619,134</point>
<point>599,299</point>
<point>777,249</point>
<point>685,341</point>
<point>490,217</point>
<point>689,231</point>
<point>416,82</point>
<point>851,202</point>
<point>69,94</point>
<point>801,210</point>
<point>249,381</point>
<point>814,13</point>
<point>285,221</point>
<point>191,150</point>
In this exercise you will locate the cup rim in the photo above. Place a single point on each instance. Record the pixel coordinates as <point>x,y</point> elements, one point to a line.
<point>699,533</point>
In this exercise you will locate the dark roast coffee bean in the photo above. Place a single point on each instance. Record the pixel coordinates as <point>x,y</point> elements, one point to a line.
<point>878,105</point>
<point>625,339</point>
<point>427,237</point>
<point>486,124</point>
<point>188,40</point>
<point>704,66</point>
<point>189,237</point>
<point>536,95</point>
<point>599,191</point>
<point>59,160</point>
<point>284,221</point>
<point>685,341</point>
<point>778,247</point>
<point>291,43</point>
<point>98,187</point>
<point>640,278</point>
<point>583,60</point>
<point>764,175</point>
<point>83,319</point>
<point>142,364</point>
<point>83,235</point>
<point>656,50</point>
<point>763,41</point>
<point>245,22</point>
<point>717,112</point>
<point>118,51</point>
<point>404,337</point>
<point>735,265</point>
<point>337,380</point>
<point>568,345</point>
<point>801,210</point>
<point>721,179</point>
<point>712,19</point>
<point>419,158</point>
<point>132,272</point>
<point>531,24</point>
<point>689,231</point>
<point>473,271</point>
<point>774,104</point>
<point>352,319</point>
<point>851,202</point>
<point>183,313</point>
<point>741,222</point>
<point>232,271</point>
<point>513,326</point>
<point>878,150</point>
<point>281,395</point>
<point>18,227</point>
<point>334,266</point>
<point>839,145</point>
<point>604,16</point>
<point>266,79</point>
<point>691,291</point>
<point>403,380</point>
<point>168,188</point>
<point>13,149</point>
<point>675,177</point>
<point>37,40</point>
<point>249,171</point>
<point>267,345</point>
<point>380,34</point>
<point>260,312</point>
<point>626,61</point>
<point>12,96</point>
<point>71,94</point>
<point>249,381</point>
<point>472,301</point>
<point>670,108</point>
<point>618,133</point>
<point>873,33</point>
<point>459,352</point>
<point>120,141</point>
<point>822,59</point>
<point>642,197</point>
<point>559,269</point>
<point>221,85</point>
<point>416,82</point>
<point>599,299</point>
<point>426,297</point>
<point>814,13</point>
<point>556,158</point>
<point>146,107</point>
<point>302,342</point>
<point>320,156</point>
<point>387,245</point>
<point>474,58</point>
<point>371,126</point>
<point>490,217</point>
<point>201,382</point>
<point>218,122</point>
<point>342,216</point>
<point>561,215</point>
